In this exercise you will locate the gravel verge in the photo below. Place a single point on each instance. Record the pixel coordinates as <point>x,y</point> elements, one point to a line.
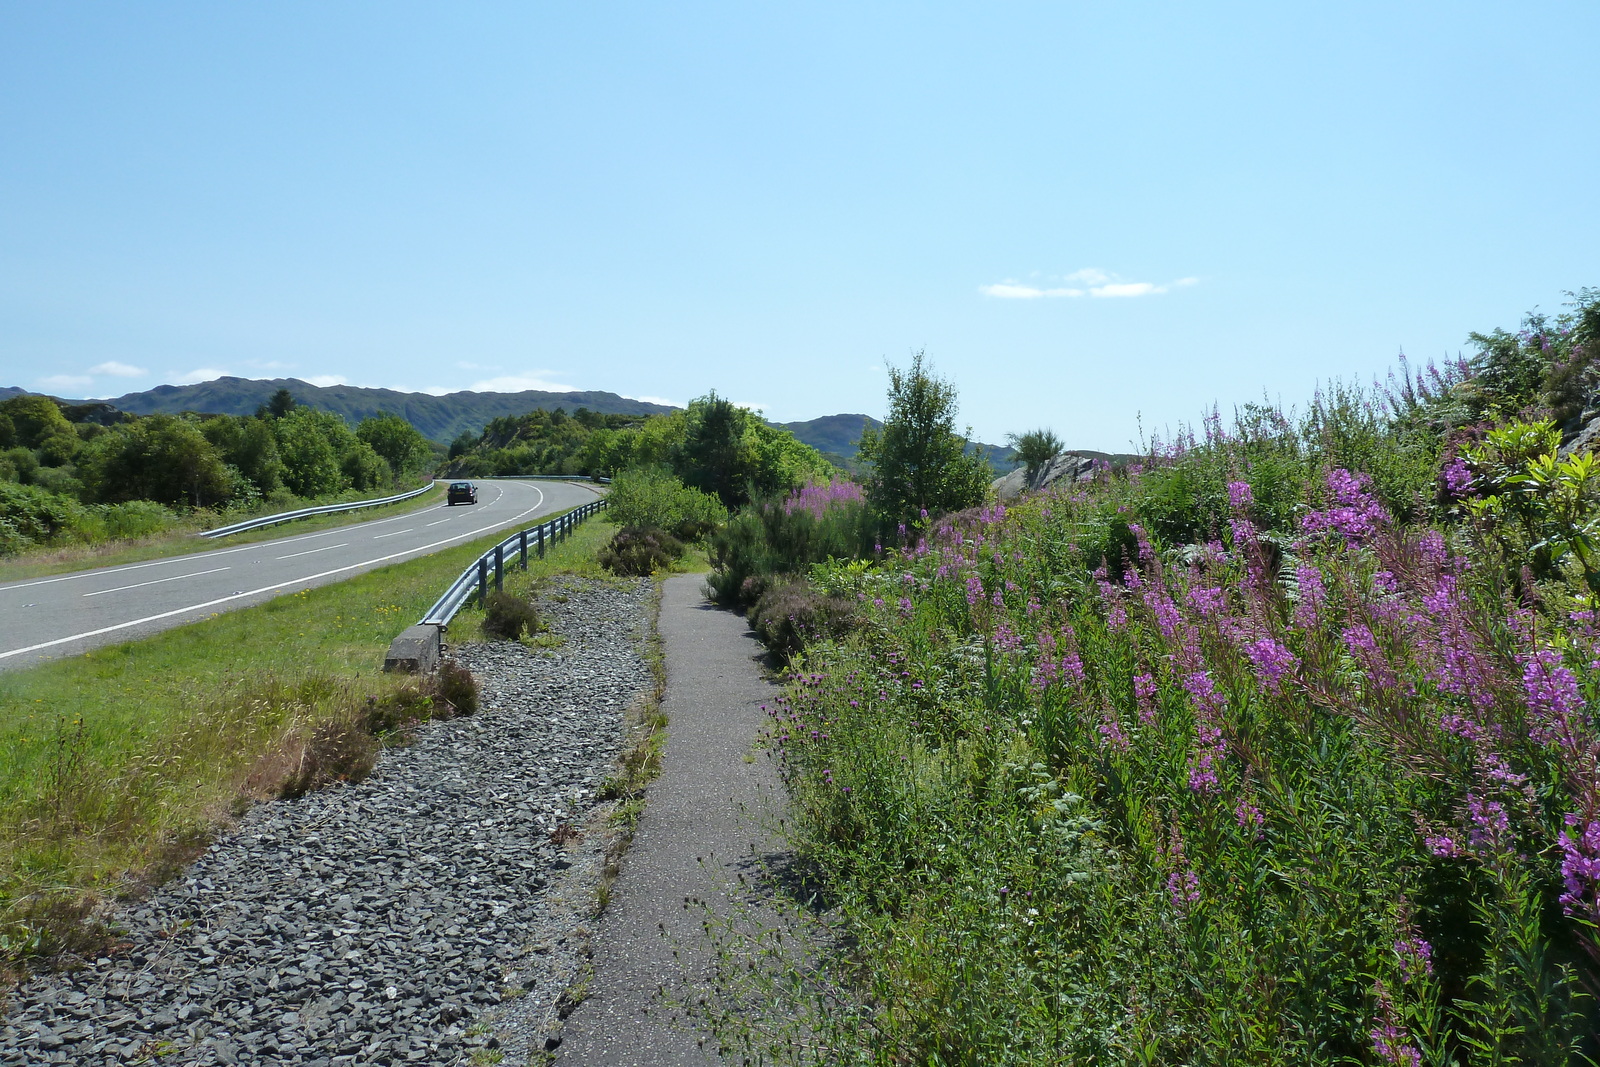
<point>435,913</point>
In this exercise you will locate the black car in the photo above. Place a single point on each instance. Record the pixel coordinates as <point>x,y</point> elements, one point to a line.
<point>461,493</point>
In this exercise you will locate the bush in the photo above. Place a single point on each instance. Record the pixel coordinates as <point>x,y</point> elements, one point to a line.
<point>653,498</point>
<point>456,685</point>
<point>777,539</point>
<point>639,551</point>
<point>791,615</point>
<point>509,616</point>
<point>135,518</point>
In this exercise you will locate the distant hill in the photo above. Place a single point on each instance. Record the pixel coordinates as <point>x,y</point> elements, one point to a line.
<point>836,437</point>
<point>441,418</point>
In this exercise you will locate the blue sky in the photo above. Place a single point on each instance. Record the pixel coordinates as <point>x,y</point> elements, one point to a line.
<point>1084,214</point>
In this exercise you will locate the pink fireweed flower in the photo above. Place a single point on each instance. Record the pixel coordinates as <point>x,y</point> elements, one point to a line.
<point>1580,868</point>
<point>974,589</point>
<point>1110,731</point>
<point>1144,692</point>
<point>1272,662</point>
<point>1313,597</point>
<point>1352,512</point>
<point>1240,495</point>
<point>817,497</point>
<point>1209,747</point>
<point>1457,478</point>
<point>1441,845</point>
<point>1249,817</point>
<point>1390,1040</point>
<point>1487,824</point>
<point>1183,887</point>
<point>1416,958</point>
<point>1553,697</point>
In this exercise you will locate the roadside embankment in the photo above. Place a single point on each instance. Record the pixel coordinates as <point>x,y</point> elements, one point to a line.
<point>373,923</point>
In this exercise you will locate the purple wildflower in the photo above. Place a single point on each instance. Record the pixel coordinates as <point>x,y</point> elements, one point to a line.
<point>1272,662</point>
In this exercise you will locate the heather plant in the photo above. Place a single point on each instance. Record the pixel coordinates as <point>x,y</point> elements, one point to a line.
<point>638,551</point>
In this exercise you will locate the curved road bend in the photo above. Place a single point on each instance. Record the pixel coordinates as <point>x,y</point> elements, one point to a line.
<point>43,618</point>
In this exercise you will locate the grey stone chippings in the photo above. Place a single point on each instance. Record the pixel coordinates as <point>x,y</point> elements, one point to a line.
<point>410,918</point>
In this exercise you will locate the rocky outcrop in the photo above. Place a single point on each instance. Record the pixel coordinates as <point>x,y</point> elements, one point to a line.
<point>1066,468</point>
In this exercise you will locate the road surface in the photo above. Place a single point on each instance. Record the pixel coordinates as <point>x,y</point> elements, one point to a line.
<point>43,618</point>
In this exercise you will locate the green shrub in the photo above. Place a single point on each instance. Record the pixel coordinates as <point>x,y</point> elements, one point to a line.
<point>509,616</point>
<point>134,518</point>
<point>640,551</point>
<point>654,499</point>
<point>38,515</point>
<point>791,615</point>
<point>774,539</point>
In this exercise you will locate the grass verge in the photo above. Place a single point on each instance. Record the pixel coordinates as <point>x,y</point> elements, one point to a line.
<point>182,538</point>
<point>116,766</point>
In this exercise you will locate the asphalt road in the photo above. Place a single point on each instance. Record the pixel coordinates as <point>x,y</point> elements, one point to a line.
<point>44,618</point>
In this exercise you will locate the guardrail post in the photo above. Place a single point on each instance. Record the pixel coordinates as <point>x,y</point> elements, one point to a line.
<point>522,549</point>
<point>541,539</point>
<point>483,580</point>
<point>499,568</point>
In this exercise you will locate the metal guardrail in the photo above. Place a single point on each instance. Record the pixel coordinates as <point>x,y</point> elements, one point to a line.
<point>326,509</point>
<point>490,567</point>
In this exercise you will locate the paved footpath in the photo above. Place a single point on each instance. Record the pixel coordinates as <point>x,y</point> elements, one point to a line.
<point>695,837</point>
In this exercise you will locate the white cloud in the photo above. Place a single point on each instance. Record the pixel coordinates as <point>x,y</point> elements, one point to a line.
<point>118,370</point>
<point>1097,284</point>
<point>66,381</point>
<point>198,375</point>
<point>1013,291</point>
<point>515,383</point>
<point>322,381</point>
<point>758,408</point>
<point>1127,289</point>
<point>465,364</point>
<point>660,400</point>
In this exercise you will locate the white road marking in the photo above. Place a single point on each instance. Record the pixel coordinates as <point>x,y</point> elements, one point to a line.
<point>158,581</point>
<point>274,587</point>
<point>308,551</point>
<point>395,533</point>
<point>437,523</point>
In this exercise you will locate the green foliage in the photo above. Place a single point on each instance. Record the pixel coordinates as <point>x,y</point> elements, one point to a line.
<point>1536,506</point>
<point>363,468</point>
<point>638,551</point>
<point>33,420</point>
<point>310,443</point>
<point>770,539</point>
<point>400,444</point>
<point>1035,448</point>
<point>652,497</point>
<point>919,466</point>
<point>1549,366</point>
<point>164,458</point>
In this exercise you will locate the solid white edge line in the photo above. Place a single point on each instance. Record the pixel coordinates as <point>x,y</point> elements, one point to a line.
<point>270,588</point>
<point>158,581</point>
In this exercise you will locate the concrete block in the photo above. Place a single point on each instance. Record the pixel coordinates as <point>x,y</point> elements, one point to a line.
<point>414,652</point>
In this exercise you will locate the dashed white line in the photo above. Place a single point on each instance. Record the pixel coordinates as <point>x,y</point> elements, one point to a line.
<point>158,581</point>
<point>308,551</point>
<point>437,523</point>
<point>394,533</point>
